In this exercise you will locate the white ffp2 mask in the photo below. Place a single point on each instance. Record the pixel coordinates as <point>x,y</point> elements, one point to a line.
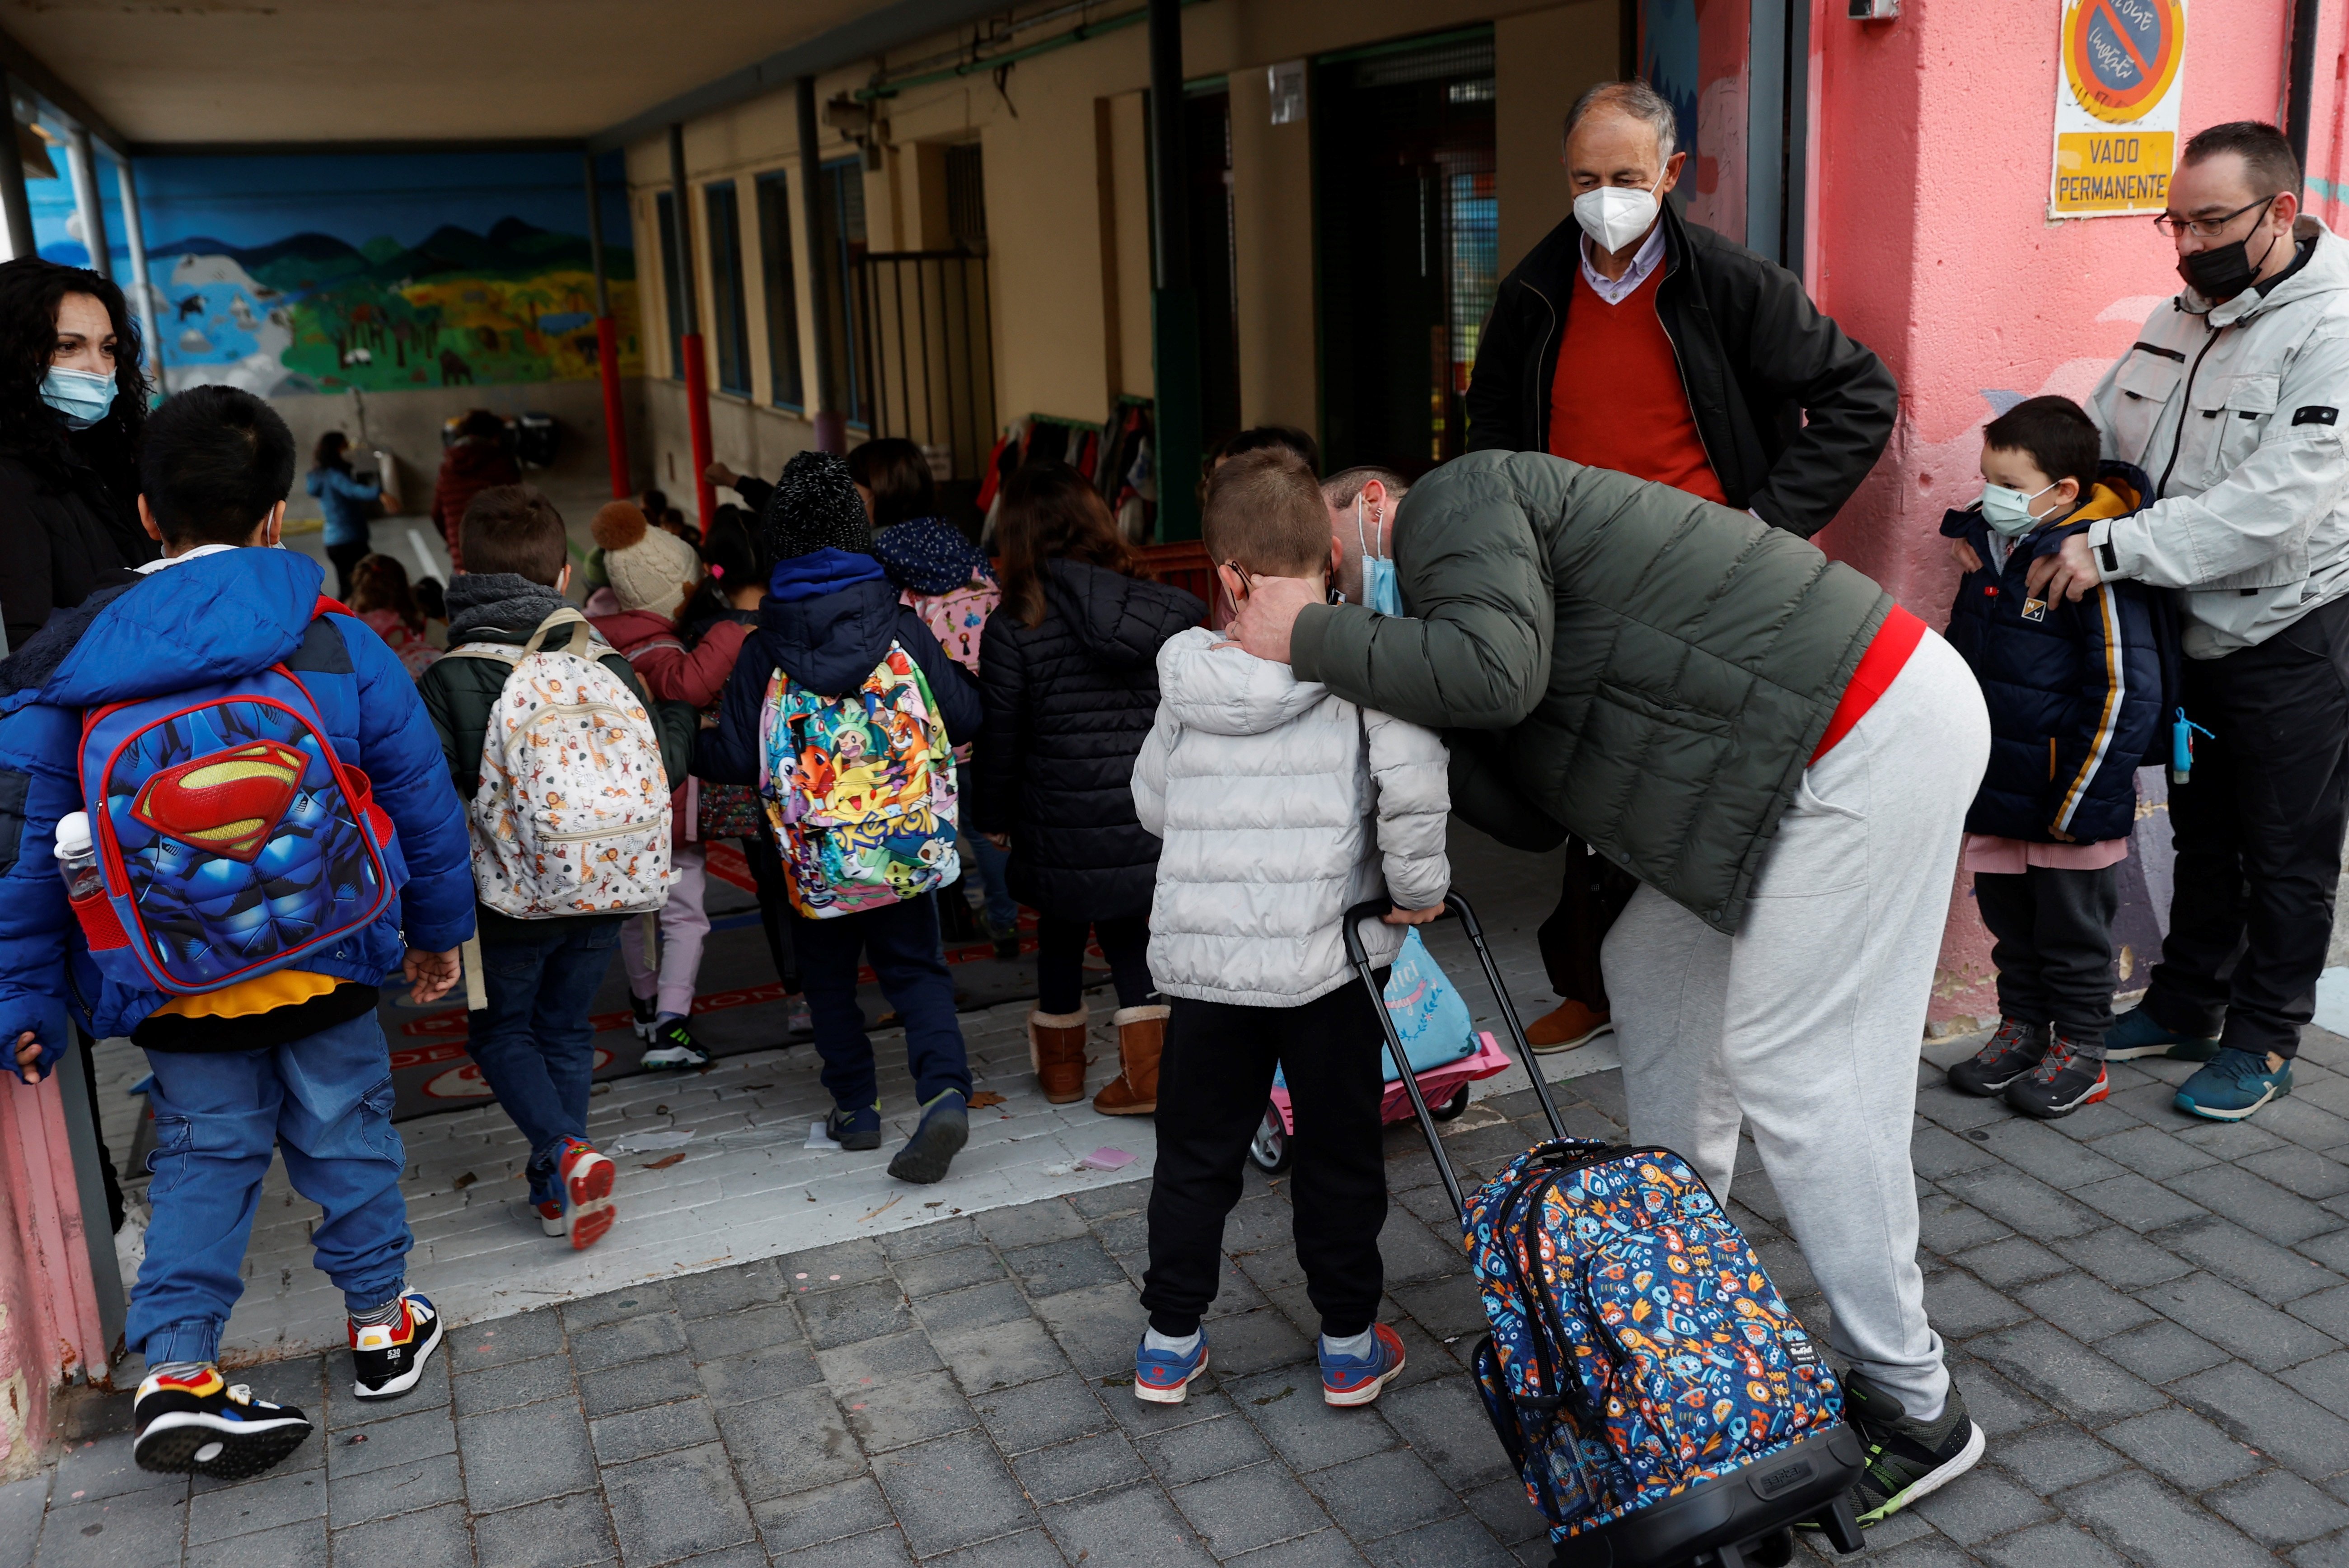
<point>1616,215</point>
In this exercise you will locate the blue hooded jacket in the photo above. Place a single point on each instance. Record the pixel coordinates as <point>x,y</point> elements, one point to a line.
<point>215,617</point>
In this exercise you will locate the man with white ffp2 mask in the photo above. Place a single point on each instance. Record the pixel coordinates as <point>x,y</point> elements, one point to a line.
<point>1632,339</point>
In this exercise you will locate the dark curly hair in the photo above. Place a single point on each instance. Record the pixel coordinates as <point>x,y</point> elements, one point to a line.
<point>30,289</point>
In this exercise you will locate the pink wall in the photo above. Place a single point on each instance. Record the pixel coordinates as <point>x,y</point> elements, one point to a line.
<point>1934,136</point>
<point>49,1329</point>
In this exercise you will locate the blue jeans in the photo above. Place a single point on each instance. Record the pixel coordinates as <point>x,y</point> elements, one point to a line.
<point>533,1041</point>
<point>1002,909</point>
<point>325,1100</point>
<point>907,955</point>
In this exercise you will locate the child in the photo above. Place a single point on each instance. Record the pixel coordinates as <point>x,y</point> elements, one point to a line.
<point>1070,679</point>
<point>652,573</point>
<point>290,1058</point>
<point>380,596</point>
<point>829,621</point>
<point>2075,692</point>
<point>1244,936</point>
<point>534,1042</point>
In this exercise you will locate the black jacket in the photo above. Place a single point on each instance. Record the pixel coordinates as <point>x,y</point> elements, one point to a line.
<point>62,531</point>
<point>1069,703</point>
<point>1756,356</point>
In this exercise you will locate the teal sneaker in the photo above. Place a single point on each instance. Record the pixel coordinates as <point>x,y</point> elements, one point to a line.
<point>2135,1034</point>
<point>2235,1084</point>
<point>945,1128</point>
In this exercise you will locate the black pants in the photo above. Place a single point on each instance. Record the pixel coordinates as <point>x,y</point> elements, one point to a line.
<point>1060,960</point>
<point>2258,827</point>
<point>774,906</point>
<point>2051,936</point>
<point>345,557</point>
<point>1215,1080</point>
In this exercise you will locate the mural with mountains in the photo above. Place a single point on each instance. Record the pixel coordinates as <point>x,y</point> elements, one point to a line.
<point>299,274</point>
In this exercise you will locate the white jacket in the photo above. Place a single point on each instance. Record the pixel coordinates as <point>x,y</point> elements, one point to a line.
<point>2239,413</point>
<point>1281,805</point>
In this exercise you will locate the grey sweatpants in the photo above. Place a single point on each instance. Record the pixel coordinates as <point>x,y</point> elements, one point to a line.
<point>1807,1024</point>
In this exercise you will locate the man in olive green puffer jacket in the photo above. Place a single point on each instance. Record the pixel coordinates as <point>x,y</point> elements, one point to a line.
<point>1784,757</point>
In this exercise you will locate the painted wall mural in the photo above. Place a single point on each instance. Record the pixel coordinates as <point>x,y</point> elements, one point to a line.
<point>391,271</point>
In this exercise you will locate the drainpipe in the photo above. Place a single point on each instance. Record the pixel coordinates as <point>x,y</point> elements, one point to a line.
<point>1174,304</point>
<point>141,289</point>
<point>2303,76</point>
<point>831,424</point>
<point>608,342</point>
<point>697,366</point>
<point>15,206</point>
<point>87,200</point>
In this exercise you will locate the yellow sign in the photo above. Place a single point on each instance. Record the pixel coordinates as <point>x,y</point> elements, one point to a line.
<point>2116,94</point>
<point>2103,171</point>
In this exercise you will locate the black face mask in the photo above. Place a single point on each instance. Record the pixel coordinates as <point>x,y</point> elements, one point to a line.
<point>2222,271</point>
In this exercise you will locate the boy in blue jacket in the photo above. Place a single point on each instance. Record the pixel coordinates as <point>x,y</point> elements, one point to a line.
<point>292,1058</point>
<point>829,618</point>
<point>2075,694</point>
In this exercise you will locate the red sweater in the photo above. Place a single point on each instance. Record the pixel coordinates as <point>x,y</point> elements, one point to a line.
<point>1617,402</point>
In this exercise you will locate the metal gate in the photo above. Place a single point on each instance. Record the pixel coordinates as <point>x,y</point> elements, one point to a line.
<point>928,353</point>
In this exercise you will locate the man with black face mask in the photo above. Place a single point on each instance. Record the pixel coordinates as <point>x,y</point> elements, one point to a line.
<point>2232,401</point>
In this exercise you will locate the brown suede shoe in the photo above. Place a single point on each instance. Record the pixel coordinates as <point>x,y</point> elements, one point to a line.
<point>1056,1050</point>
<point>1570,1025</point>
<point>1140,1035</point>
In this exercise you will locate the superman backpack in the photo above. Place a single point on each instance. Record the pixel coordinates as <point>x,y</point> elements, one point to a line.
<point>231,840</point>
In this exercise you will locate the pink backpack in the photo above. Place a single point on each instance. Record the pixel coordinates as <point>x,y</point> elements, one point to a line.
<point>957,618</point>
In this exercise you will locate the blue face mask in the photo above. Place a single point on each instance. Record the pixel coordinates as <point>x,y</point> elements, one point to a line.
<point>1381,592</point>
<point>82,397</point>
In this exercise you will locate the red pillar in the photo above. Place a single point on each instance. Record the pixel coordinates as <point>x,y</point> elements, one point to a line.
<point>616,424</point>
<point>696,413</point>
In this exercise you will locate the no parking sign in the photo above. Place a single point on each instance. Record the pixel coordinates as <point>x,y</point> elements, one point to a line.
<point>2117,92</point>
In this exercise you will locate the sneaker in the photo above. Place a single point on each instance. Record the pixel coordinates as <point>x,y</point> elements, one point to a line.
<point>2008,1056</point>
<point>945,1128</point>
<point>858,1128</point>
<point>1906,1460</point>
<point>1165,1377</point>
<point>2233,1085</point>
<point>646,1012</point>
<point>1564,1027</point>
<point>587,1211</point>
<point>1357,1379</point>
<point>198,1422</point>
<point>799,1024</point>
<point>2063,1082</point>
<point>1005,937</point>
<point>550,1218</point>
<point>390,1357</point>
<point>674,1046</point>
<point>2135,1034</point>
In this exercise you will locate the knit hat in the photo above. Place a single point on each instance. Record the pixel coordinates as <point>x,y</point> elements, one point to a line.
<point>649,568</point>
<point>816,507</point>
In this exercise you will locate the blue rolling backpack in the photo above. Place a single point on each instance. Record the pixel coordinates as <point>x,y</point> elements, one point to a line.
<point>1661,1405</point>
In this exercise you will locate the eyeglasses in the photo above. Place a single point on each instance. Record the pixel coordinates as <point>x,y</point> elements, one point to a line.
<point>2171,224</point>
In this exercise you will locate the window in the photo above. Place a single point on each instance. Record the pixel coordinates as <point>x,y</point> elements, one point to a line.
<point>783,292</point>
<point>967,198</point>
<point>672,285</point>
<point>839,250</point>
<point>729,319</point>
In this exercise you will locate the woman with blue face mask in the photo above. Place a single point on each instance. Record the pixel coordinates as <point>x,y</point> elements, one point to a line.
<point>73,396</point>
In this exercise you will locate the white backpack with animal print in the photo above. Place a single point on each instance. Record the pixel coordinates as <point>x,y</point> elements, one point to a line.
<point>571,814</point>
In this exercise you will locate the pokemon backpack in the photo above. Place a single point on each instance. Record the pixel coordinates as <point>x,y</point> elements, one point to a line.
<point>231,840</point>
<point>860,789</point>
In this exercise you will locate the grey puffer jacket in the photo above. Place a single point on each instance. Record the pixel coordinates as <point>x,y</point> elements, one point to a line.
<point>1282,805</point>
<point>1652,671</point>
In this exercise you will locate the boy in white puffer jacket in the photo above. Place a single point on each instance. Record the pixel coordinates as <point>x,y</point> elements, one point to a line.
<point>1281,806</point>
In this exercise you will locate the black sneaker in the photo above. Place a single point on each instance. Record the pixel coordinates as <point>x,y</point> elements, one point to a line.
<point>646,1011</point>
<point>388,1359</point>
<point>197,1422</point>
<point>2008,1055</point>
<point>2063,1082</point>
<point>673,1046</point>
<point>945,1128</point>
<point>1906,1460</point>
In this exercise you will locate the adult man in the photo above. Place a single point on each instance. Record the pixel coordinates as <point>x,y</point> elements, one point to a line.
<point>1784,757</point>
<point>1632,339</point>
<point>2232,398</point>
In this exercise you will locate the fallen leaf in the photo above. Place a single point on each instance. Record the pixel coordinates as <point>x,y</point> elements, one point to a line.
<point>664,1164</point>
<point>984,1098</point>
<point>1120,1380</point>
<point>661,1110</point>
<point>882,1209</point>
<point>1276,1399</point>
<point>354,1438</point>
<point>461,1182</point>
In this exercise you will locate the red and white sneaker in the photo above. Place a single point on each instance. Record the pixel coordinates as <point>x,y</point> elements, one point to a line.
<point>587,1211</point>
<point>390,1357</point>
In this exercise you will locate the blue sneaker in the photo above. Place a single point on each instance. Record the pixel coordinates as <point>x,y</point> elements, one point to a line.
<point>2135,1034</point>
<point>1358,1379</point>
<point>858,1128</point>
<point>1164,1378</point>
<point>2235,1084</point>
<point>945,1128</point>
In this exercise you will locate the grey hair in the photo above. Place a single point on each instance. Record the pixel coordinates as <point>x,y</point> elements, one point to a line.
<point>1340,488</point>
<point>1636,98</point>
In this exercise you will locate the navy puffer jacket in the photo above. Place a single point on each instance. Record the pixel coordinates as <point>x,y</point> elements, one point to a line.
<point>2074,690</point>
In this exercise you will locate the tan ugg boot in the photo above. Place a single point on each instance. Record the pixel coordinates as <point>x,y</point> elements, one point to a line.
<point>1140,1035</point>
<point>1056,1050</point>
